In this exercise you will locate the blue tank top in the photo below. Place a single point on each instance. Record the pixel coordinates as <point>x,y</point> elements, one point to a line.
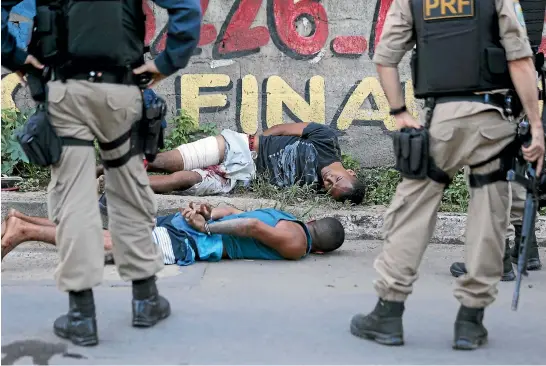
<point>248,248</point>
<point>210,248</point>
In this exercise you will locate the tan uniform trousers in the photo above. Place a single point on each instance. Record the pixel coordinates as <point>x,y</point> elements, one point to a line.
<point>516,205</point>
<point>85,110</point>
<point>411,218</point>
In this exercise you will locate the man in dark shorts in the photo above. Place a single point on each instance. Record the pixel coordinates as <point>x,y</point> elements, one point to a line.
<point>202,233</point>
<point>288,154</point>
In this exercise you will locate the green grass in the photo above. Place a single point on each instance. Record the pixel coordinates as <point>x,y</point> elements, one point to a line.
<point>380,188</point>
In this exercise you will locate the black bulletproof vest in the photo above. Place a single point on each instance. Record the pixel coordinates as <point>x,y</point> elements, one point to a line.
<point>96,34</point>
<point>533,12</point>
<point>458,49</point>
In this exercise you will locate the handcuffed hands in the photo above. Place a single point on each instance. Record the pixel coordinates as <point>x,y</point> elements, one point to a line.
<point>204,209</point>
<point>194,219</point>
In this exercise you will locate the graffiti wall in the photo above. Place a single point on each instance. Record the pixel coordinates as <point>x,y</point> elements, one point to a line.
<point>264,62</point>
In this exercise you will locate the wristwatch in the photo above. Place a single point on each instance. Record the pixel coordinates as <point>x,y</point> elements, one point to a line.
<point>397,111</point>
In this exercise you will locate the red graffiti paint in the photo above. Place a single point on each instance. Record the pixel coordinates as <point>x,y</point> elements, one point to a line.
<point>349,45</point>
<point>282,16</point>
<point>150,22</point>
<point>381,9</point>
<point>237,38</point>
<point>208,33</point>
<point>382,15</point>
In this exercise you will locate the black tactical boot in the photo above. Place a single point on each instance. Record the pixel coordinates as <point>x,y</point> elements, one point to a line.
<point>383,324</point>
<point>148,306</point>
<point>469,330</point>
<point>533,263</point>
<point>458,268</point>
<point>79,325</point>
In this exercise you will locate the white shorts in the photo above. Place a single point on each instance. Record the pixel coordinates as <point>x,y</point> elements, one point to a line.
<point>238,166</point>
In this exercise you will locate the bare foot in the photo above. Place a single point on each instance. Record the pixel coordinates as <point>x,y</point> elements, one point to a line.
<point>4,227</point>
<point>14,234</point>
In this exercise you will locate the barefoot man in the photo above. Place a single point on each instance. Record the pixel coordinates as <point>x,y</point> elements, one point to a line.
<point>202,233</point>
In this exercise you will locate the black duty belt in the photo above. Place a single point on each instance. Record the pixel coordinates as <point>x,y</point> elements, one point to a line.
<point>125,77</point>
<point>497,100</point>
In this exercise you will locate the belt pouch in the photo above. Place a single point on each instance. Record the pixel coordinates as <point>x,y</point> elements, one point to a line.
<point>411,150</point>
<point>39,140</point>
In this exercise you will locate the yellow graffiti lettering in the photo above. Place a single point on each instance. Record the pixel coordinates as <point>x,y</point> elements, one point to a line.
<point>279,93</point>
<point>9,83</point>
<point>248,117</point>
<point>409,98</point>
<point>351,111</point>
<point>192,101</point>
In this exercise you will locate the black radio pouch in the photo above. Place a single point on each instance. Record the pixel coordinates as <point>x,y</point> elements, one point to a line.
<point>151,127</point>
<point>46,37</point>
<point>39,140</point>
<point>411,150</point>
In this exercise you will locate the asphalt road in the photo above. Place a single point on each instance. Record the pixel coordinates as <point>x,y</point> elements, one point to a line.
<point>257,312</point>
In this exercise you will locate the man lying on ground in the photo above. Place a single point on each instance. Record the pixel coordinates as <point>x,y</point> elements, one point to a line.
<point>202,233</point>
<point>289,154</point>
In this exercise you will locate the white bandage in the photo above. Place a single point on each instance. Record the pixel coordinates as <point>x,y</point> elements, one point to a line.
<point>200,154</point>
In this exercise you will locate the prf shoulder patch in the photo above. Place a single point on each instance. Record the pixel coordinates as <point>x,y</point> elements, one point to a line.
<point>447,9</point>
<point>519,13</point>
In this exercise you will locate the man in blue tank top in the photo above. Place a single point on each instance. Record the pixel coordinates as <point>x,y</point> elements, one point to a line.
<point>202,233</point>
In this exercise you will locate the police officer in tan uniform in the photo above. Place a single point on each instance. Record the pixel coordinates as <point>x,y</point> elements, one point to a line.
<point>468,54</point>
<point>95,52</point>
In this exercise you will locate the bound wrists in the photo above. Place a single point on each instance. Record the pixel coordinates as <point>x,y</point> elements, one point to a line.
<point>206,228</point>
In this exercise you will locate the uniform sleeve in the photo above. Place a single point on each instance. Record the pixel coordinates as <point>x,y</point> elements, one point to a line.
<point>13,57</point>
<point>513,34</point>
<point>397,36</point>
<point>183,31</point>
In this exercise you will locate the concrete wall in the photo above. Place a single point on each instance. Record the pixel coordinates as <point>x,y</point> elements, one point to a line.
<point>265,62</point>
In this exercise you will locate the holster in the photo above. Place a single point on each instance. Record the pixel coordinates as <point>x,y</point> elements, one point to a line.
<point>411,150</point>
<point>39,140</point>
<point>152,127</point>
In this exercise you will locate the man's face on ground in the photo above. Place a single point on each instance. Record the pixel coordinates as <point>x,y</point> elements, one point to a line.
<point>338,181</point>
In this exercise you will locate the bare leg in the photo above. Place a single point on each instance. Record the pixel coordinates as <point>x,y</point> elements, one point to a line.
<point>18,231</point>
<point>30,219</point>
<point>168,161</point>
<point>178,181</point>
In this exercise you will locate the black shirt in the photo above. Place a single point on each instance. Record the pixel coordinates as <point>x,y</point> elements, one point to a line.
<point>290,160</point>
